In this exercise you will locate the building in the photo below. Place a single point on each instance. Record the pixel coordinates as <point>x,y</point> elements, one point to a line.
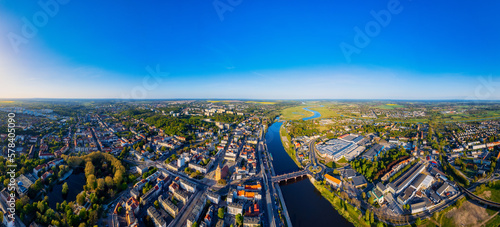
<point>150,195</point>
<point>235,208</point>
<point>134,192</point>
<point>418,207</point>
<point>141,169</point>
<point>443,189</point>
<point>376,195</point>
<point>156,217</point>
<point>336,149</point>
<point>131,220</point>
<point>221,172</point>
<point>188,186</point>
<point>132,205</point>
<point>349,173</point>
<point>359,181</point>
<point>246,195</point>
<point>202,169</point>
<point>422,181</point>
<point>168,206</point>
<point>407,195</point>
<point>196,212</point>
<point>382,188</point>
<point>373,152</point>
<point>24,182</point>
<point>213,197</point>
<point>251,221</point>
<point>406,178</point>
<point>333,181</point>
<point>181,195</point>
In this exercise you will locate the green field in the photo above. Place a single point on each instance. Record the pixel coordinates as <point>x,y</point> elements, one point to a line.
<point>264,103</point>
<point>298,112</point>
<point>489,193</point>
<point>295,113</point>
<point>325,112</point>
<point>494,221</point>
<point>389,106</point>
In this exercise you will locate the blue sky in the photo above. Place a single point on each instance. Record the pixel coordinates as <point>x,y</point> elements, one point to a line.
<point>250,49</point>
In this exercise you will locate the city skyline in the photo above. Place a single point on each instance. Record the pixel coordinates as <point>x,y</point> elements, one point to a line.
<point>250,50</point>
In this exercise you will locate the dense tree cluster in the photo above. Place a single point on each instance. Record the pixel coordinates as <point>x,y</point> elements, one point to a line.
<point>302,128</point>
<point>227,118</point>
<point>369,168</point>
<point>181,126</point>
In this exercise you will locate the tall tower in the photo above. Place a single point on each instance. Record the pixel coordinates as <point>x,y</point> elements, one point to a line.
<point>218,173</point>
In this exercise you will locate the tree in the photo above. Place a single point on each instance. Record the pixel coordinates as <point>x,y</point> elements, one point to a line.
<point>195,224</point>
<point>83,214</point>
<point>380,224</point>
<point>100,184</point>
<point>65,189</point>
<point>109,181</point>
<point>372,217</point>
<point>156,204</point>
<point>367,215</point>
<point>89,168</point>
<point>221,213</point>
<point>239,220</point>
<point>1,217</point>
<point>40,206</point>
<point>418,222</point>
<point>118,177</point>
<point>80,199</point>
<point>91,181</point>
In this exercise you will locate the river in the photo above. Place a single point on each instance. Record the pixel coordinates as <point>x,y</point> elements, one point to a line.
<point>316,114</point>
<point>305,204</point>
<point>75,181</point>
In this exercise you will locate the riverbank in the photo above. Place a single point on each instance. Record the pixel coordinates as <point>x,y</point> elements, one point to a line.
<point>66,175</point>
<point>287,144</point>
<point>349,212</point>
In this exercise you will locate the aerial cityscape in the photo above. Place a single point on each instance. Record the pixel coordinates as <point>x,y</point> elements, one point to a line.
<point>234,113</point>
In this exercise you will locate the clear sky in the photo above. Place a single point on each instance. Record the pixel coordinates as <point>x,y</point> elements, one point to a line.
<point>338,49</point>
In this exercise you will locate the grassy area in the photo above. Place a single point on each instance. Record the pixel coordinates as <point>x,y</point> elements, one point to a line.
<point>325,112</point>
<point>468,214</point>
<point>389,106</point>
<point>494,221</point>
<point>490,193</point>
<point>295,113</point>
<point>223,101</point>
<point>288,145</point>
<point>343,160</point>
<point>443,219</point>
<point>264,103</point>
<point>350,213</point>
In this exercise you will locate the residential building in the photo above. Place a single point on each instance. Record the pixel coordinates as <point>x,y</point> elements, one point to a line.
<point>333,181</point>
<point>156,217</point>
